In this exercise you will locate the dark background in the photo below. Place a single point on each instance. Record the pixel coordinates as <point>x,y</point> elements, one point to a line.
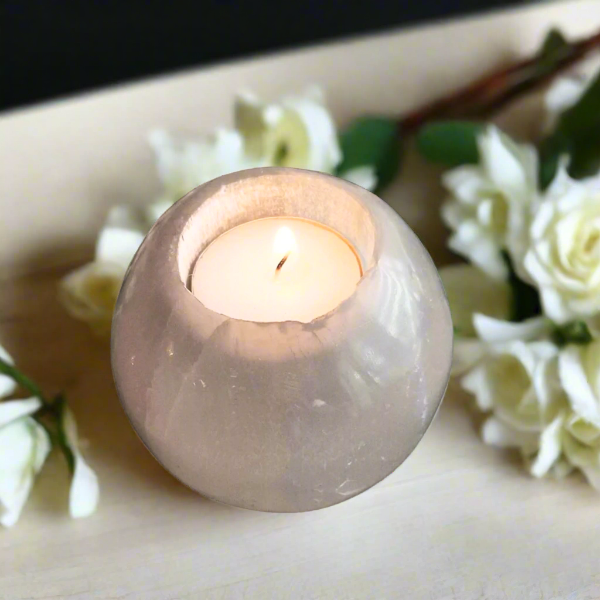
<point>51,48</point>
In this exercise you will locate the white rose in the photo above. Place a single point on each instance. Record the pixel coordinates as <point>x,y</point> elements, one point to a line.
<point>579,368</point>
<point>517,382</point>
<point>298,131</point>
<point>480,308</point>
<point>89,293</point>
<point>564,255</point>
<point>24,445</point>
<point>185,163</point>
<point>491,202</point>
<point>581,446</point>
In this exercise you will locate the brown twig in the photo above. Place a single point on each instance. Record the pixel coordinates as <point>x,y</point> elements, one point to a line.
<point>495,90</point>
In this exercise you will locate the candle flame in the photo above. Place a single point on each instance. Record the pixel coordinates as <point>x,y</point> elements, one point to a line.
<point>285,242</point>
<point>283,245</point>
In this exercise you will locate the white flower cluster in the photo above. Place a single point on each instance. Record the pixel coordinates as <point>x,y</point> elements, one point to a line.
<point>297,132</point>
<point>24,446</point>
<point>541,392</point>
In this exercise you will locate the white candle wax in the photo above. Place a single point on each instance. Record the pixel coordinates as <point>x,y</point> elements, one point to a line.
<point>276,269</point>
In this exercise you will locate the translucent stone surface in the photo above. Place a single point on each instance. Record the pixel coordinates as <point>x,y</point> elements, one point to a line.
<point>282,416</point>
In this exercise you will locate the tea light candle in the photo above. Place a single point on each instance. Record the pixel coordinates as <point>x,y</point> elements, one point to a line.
<point>281,341</point>
<point>276,269</point>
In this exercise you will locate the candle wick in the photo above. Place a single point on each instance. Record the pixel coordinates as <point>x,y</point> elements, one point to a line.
<point>282,262</point>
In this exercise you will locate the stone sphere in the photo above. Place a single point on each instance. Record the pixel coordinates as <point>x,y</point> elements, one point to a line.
<point>283,416</point>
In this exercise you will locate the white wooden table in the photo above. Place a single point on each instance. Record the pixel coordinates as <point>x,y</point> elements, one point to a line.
<point>457,521</point>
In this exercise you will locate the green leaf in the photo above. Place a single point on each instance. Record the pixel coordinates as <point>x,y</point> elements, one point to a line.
<point>451,143</point>
<point>575,332</point>
<point>577,136</point>
<point>585,155</point>
<point>554,41</point>
<point>550,151</point>
<point>584,114</point>
<point>553,48</point>
<point>371,141</point>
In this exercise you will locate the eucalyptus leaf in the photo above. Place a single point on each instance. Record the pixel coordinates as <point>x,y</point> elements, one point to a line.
<point>451,143</point>
<point>371,141</point>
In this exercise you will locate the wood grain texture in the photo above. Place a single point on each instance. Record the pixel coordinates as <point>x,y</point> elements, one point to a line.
<point>458,521</point>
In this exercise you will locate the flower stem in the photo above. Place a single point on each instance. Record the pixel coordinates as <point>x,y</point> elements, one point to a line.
<point>60,402</point>
<point>52,408</point>
<point>495,90</point>
<point>22,380</point>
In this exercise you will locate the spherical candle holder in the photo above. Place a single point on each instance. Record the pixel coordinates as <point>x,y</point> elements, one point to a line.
<point>281,414</point>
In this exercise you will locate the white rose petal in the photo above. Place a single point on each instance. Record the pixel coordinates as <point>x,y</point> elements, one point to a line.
<point>471,291</point>
<point>562,95</point>
<point>466,353</point>
<point>185,163</point>
<point>579,370</point>
<point>585,458</point>
<point>499,434</point>
<point>7,384</point>
<point>121,236</point>
<point>550,448</point>
<point>563,260</point>
<point>10,410</point>
<point>296,132</point>
<point>84,494</point>
<point>118,246</point>
<point>490,205</point>
<point>501,160</point>
<point>363,176</point>
<point>494,330</point>
<point>155,210</point>
<point>90,292</point>
<point>125,217</point>
<point>583,431</point>
<point>249,115</point>
<point>561,468</point>
<point>592,474</point>
<point>24,445</point>
<point>477,383</point>
<point>517,381</point>
<point>472,241</point>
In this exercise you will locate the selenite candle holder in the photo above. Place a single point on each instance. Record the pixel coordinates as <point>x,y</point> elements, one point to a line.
<point>284,416</point>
